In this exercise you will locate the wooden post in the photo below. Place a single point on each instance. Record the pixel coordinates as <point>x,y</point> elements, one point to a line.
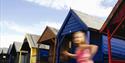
<point>54,50</point>
<point>20,58</point>
<point>38,54</point>
<point>31,50</point>
<point>109,47</point>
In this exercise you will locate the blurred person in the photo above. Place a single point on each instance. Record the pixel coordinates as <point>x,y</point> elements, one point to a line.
<point>83,52</point>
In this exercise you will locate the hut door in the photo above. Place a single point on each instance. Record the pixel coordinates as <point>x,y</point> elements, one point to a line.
<point>96,38</point>
<point>23,58</point>
<point>28,58</point>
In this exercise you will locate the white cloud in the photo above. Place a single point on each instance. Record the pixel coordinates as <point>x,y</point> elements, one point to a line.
<point>34,28</point>
<point>30,28</point>
<point>92,7</point>
<point>51,23</point>
<point>57,4</point>
<point>7,39</point>
<point>108,3</point>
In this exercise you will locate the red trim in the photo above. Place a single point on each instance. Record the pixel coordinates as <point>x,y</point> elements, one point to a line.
<point>111,15</point>
<point>118,61</point>
<point>109,46</point>
<point>121,21</point>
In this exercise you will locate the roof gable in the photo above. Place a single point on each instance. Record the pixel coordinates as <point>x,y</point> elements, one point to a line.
<point>0,50</point>
<point>71,24</point>
<point>10,48</point>
<point>91,21</point>
<point>32,40</point>
<point>115,22</point>
<point>76,21</point>
<point>48,33</point>
<point>17,46</point>
<point>4,50</point>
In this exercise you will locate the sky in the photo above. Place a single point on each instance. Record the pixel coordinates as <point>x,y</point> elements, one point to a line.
<point>18,17</point>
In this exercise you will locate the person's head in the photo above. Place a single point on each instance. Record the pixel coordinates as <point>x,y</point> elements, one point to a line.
<point>79,37</point>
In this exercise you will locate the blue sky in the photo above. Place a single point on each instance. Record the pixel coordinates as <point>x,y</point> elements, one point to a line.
<point>18,17</point>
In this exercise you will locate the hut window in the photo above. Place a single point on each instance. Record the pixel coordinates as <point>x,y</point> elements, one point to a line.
<point>45,46</point>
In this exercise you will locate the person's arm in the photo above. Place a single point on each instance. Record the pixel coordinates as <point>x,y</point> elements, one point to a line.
<point>94,49</point>
<point>65,52</point>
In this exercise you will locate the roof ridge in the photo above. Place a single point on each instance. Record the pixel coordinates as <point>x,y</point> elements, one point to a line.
<point>32,39</point>
<point>54,30</point>
<point>90,20</point>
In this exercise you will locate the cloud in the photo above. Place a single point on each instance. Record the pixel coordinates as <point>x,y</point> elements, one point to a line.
<point>30,28</point>
<point>92,7</point>
<point>100,8</point>
<point>108,3</point>
<point>57,4</point>
<point>35,28</point>
<point>7,39</point>
<point>51,23</point>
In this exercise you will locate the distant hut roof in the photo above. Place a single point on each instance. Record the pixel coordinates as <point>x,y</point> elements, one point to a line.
<point>49,33</point>
<point>0,50</point>
<point>32,39</point>
<point>17,46</point>
<point>4,50</point>
<point>9,49</point>
<point>54,30</point>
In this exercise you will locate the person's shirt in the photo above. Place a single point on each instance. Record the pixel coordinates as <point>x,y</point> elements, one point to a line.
<point>83,56</point>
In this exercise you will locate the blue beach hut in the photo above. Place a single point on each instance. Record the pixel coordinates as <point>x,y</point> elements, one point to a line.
<point>77,21</point>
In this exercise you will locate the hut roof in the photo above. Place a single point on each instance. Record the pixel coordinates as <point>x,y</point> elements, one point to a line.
<point>48,33</point>
<point>32,40</point>
<point>17,46</point>
<point>54,30</point>
<point>115,22</point>
<point>91,21</point>
<point>0,50</point>
<point>4,50</point>
<point>76,21</point>
<point>10,48</point>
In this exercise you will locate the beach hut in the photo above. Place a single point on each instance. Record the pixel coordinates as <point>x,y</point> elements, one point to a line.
<point>28,50</point>
<point>0,55</point>
<point>77,21</point>
<point>9,49</point>
<point>14,52</point>
<point>5,56</point>
<point>0,50</point>
<point>114,26</point>
<point>48,37</point>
